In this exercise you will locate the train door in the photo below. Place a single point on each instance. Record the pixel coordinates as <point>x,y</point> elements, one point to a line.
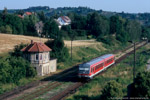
<point>92,70</point>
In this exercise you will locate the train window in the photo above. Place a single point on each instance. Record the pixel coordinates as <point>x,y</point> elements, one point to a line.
<point>109,61</point>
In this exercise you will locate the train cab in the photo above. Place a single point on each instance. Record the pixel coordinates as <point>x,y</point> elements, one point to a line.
<point>84,70</point>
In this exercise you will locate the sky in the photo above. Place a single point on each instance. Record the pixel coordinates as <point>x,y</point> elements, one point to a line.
<point>127,6</point>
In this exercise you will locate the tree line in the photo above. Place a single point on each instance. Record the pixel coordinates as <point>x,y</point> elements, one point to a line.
<point>92,25</point>
<point>12,24</point>
<point>99,27</point>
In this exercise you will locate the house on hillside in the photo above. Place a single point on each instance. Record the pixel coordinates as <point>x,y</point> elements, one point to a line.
<point>38,54</point>
<point>39,27</point>
<point>63,20</point>
<point>27,14</point>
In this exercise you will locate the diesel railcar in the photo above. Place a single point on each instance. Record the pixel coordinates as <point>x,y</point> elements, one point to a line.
<point>95,66</point>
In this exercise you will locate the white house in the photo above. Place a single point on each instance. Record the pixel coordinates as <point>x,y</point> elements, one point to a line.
<point>63,20</point>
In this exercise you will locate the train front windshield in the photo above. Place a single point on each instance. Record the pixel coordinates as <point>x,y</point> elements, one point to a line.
<point>84,70</point>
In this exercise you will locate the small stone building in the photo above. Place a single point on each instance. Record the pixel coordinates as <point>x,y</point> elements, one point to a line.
<point>39,56</point>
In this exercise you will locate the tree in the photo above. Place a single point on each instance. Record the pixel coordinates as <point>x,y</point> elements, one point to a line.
<point>2,29</point>
<point>42,16</point>
<point>141,85</point>
<point>79,22</point>
<point>4,13</point>
<point>17,50</point>
<point>59,50</point>
<point>8,29</point>
<point>112,89</point>
<point>20,12</point>
<point>121,33</point>
<point>29,26</point>
<point>114,22</point>
<point>14,22</point>
<point>98,25</point>
<point>134,30</point>
<point>145,33</point>
<point>51,29</point>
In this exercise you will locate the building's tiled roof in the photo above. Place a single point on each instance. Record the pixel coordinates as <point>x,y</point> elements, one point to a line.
<point>36,47</point>
<point>28,13</point>
<point>66,19</point>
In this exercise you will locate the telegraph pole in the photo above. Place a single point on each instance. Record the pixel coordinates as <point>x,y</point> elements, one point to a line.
<point>134,62</point>
<point>71,49</point>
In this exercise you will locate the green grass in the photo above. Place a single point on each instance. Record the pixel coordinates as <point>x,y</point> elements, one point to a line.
<point>122,73</point>
<point>80,54</point>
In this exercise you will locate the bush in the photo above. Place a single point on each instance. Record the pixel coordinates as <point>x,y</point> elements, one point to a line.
<point>112,89</point>
<point>106,40</point>
<point>12,69</point>
<point>141,85</point>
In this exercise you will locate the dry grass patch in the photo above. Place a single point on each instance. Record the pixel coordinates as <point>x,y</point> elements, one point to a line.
<point>8,41</point>
<point>79,43</point>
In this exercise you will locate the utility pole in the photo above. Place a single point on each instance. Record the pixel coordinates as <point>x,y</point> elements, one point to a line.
<point>72,35</point>
<point>134,62</point>
<point>71,49</point>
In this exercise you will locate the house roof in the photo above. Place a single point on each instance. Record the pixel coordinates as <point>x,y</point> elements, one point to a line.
<point>36,47</point>
<point>66,19</point>
<point>28,13</point>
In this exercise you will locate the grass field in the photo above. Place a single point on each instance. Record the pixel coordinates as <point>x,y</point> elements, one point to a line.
<point>83,50</point>
<point>122,73</point>
<point>8,41</point>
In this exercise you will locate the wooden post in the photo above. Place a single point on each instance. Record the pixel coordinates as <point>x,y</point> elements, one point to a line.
<point>71,49</point>
<point>134,62</point>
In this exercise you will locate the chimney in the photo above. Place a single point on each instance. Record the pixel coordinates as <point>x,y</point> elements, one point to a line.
<point>31,41</point>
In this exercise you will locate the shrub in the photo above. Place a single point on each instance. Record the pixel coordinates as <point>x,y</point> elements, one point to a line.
<point>141,85</point>
<point>12,69</point>
<point>112,89</point>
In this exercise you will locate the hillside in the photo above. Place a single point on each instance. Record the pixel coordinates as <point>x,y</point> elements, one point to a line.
<point>143,18</point>
<point>8,41</point>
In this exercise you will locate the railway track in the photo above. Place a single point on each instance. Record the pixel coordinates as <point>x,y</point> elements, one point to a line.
<point>51,85</point>
<point>58,79</point>
<point>70,90</point>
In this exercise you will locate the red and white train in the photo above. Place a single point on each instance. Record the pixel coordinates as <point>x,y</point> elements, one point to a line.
<point>95,66</point>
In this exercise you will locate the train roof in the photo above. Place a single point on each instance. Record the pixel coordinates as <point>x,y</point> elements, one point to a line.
<point>98,59</point>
